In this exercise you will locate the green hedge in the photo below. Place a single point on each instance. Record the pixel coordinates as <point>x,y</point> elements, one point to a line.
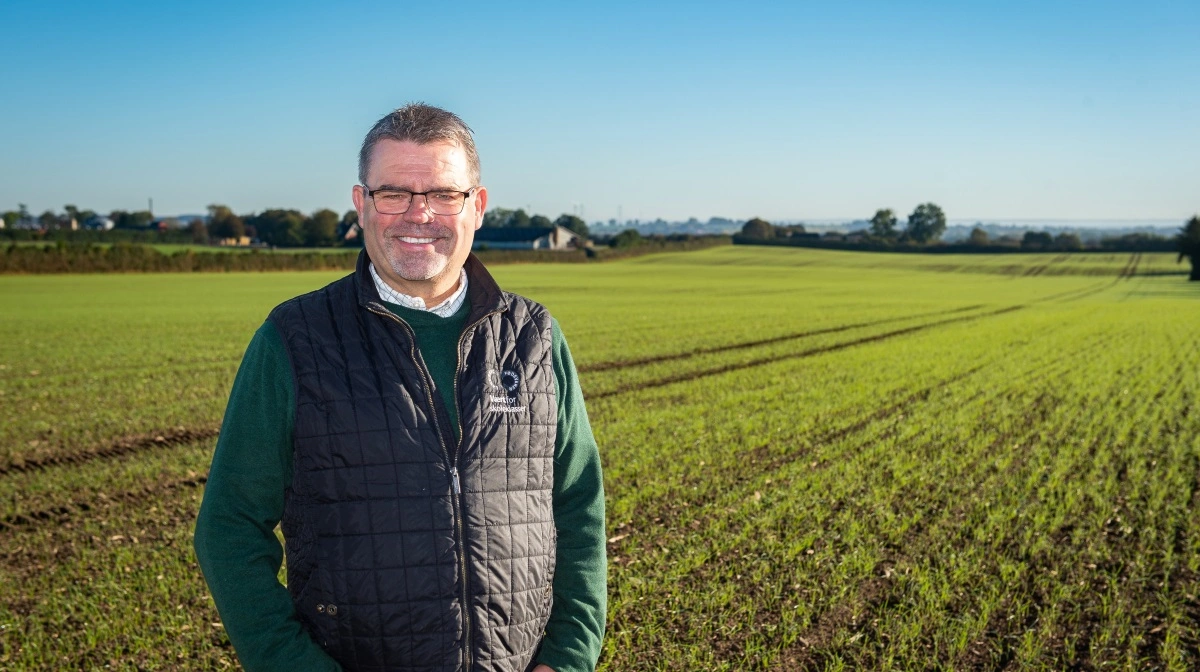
<point>123,257</point>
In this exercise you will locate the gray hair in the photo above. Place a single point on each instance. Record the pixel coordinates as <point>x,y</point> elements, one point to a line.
<point>422,124</point>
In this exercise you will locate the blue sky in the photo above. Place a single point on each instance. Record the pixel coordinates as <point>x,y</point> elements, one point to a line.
<point>1005,110</point>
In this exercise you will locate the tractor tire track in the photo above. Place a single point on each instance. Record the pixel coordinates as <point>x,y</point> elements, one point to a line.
<point>704,373</point>
<point>1063,297</point>
<point>644,361</point>
<point>876,591</point>
<point>56,515</point>
<point>118,448</point>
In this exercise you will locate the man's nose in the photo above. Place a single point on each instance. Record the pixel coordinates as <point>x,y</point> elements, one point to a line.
<point>418,210</point>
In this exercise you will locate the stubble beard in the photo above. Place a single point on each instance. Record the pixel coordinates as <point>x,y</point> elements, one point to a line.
<point>418,266</point>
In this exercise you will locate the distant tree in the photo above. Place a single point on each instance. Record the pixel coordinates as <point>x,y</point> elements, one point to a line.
<point>540,222</point>
<point>1188,242</point>
<point>11,217</point>
<point>758,228</point>
<point>978,237</point>
<point>48,220</point>
<point>141,218</point>
<point>883,224</point>
<point>1067,241</point>
<point>282,228</point>
<point>222,223</point>
<point>131,220</point>
<point>1139,242</point>
<point>199,231</point>
<point>926,224</point>
<point>72,213</point>
<point>627,238</point>
<point>320,228</point>
<point>1037,240</point>
<point>496,217</point>
<point>519,218</point>
<point>573,223</point>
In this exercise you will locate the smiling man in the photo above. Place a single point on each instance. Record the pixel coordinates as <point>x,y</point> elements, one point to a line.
<point>421,438</point>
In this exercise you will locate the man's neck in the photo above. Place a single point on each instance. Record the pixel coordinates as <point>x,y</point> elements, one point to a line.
<point>420,296</point>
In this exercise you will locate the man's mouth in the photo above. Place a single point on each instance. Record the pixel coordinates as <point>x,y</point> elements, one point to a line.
<point>413,240</point>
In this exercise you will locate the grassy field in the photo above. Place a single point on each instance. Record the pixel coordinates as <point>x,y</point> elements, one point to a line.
<point>813,459</point>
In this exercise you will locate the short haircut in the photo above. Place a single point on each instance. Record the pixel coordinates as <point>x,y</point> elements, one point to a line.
<point>422,124</point>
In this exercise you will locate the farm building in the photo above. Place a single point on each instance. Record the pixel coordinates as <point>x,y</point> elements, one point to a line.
<point>527,238</point>
<point>98,223</point>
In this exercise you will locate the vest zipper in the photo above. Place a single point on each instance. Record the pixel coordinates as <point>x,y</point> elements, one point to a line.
<point>456,488</point>
<point>458,451</point>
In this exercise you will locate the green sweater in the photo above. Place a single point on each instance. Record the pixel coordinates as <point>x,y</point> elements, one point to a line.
<point>240,554</point>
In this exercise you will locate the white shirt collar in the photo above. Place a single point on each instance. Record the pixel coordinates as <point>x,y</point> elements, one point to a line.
<point>444,309</point>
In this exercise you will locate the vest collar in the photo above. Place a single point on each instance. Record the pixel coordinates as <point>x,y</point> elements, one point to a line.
<point>485,295</point>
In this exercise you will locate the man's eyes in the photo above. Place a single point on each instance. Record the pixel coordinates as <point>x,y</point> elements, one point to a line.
<point>446,196</point>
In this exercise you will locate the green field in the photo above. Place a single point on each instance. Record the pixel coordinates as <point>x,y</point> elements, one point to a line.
<point>813,459</point>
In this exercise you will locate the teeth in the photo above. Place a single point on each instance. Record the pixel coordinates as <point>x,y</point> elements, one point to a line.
<point>417,241</point>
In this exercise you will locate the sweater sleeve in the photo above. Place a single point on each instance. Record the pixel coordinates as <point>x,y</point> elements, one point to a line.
<point>243,502</point>
<point>576,626</point>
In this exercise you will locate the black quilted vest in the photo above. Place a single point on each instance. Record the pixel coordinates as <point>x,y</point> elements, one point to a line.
<point>407,550</point>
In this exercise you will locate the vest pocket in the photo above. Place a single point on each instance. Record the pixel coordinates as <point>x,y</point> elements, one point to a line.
<point>318,612</point>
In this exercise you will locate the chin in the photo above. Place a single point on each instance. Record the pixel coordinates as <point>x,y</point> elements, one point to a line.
<point>419,272</point>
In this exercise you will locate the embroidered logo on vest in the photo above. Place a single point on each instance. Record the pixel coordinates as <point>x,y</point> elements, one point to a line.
<point>501,390</point>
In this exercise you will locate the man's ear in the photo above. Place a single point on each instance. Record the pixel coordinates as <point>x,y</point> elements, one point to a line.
<point>359,196</point>
<point>480,206</point>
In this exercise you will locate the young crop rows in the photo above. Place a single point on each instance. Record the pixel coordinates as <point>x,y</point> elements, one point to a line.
<point>814,460</point>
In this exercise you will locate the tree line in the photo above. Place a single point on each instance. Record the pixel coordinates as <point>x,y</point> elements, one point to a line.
<point>503,217</point>
<point>277,227</point>
<point>280,227</point>
<point>927,223</point>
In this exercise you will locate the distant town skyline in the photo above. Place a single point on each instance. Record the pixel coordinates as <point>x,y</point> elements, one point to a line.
<point>995,111</point>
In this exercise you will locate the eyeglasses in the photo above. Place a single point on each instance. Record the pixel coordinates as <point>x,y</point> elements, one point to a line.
<point>398,201</point>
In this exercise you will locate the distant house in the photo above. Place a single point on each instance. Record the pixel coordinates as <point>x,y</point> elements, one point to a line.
<point>241,241</point>
<point>527,238</point>
<point>98,223</point>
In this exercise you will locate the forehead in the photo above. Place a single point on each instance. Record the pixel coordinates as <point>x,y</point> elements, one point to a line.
<point>409,164</point>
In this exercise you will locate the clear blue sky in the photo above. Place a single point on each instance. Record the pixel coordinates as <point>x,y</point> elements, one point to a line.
<point>1001,110</point>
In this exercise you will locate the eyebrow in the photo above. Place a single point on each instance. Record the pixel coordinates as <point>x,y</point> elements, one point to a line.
<point>392,187</point>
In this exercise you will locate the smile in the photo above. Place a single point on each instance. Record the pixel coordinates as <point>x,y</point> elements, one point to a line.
<point>415,241</point>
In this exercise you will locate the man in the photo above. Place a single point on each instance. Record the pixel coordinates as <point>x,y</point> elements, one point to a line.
<point>421,437</point>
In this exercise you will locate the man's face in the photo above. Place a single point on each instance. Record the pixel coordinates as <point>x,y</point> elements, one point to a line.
<point>419,253</point>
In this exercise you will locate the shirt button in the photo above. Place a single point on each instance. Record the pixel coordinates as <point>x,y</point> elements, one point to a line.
<point>320,608</point>
<point>331,610</point>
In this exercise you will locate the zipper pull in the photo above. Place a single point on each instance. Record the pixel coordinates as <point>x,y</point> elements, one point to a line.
<point>454,480</point>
